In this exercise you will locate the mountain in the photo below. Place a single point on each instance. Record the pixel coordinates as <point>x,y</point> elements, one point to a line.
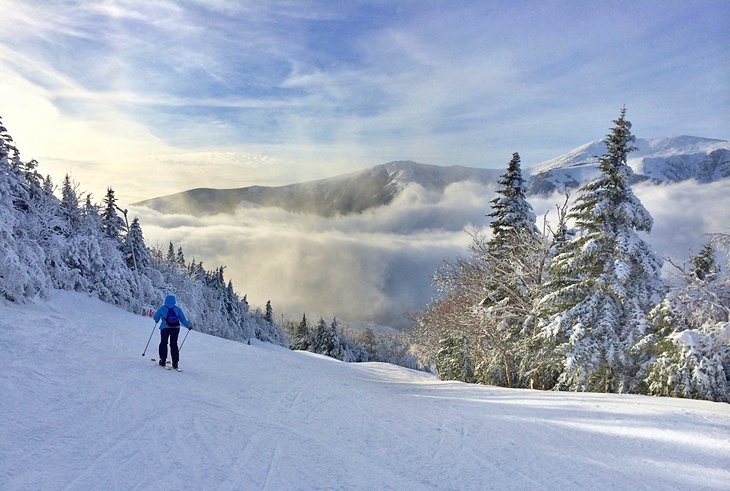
<point>341,195</point>
<point>82,410</point>
<point>660,160</point>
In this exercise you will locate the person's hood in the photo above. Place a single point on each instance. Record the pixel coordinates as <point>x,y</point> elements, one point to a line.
<point>170,301</point>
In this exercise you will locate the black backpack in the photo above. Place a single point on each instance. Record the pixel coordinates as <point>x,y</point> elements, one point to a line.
<point>172,319</point>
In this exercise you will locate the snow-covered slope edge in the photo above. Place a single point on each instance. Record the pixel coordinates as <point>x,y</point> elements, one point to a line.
<point>81,409</point>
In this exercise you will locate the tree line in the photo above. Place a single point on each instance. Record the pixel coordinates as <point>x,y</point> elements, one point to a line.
<point>351,345</point>
<point>581,305</point>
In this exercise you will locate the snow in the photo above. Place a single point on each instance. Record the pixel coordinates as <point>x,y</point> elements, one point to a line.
<point>670,159</point>
<point>645,148</point>
<point>81,409</point>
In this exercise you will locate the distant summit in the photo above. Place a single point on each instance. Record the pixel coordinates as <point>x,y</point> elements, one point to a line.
<point>660,160</point>
<point>670,159</point>
<point>340,195</point>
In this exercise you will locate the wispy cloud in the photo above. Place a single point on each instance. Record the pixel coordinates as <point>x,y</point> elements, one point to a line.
<point>318,88</point>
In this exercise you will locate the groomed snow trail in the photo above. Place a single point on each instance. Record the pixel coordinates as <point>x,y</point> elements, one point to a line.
<point>81,409</point>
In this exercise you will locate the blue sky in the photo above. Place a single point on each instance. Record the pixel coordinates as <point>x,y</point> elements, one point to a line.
<point>157,97</point>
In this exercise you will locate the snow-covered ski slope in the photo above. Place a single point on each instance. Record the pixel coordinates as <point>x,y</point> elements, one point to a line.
<point>81,409</point>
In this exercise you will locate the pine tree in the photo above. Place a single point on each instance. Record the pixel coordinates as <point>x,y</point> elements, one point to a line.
<point>607,279</point>
<point>70,205</point>
<point>301,338</point>
<point>22,260</point>
<point>90,215</point>
<point>6,143</point>
<point>509,270</point>
<point>512,214</point>
<point>336,347</point>
<point>48,186</point>
<point>136,250</point>
<point>33,180</point>
<point>704,263</point>
<point>453,360</point>
<point>269,316</point>
<point>113,224</point>
<point>171,258</point>
<point>688,347</point>
<point>320,338</point>
<point>180,258</point>
<point>366,338</point>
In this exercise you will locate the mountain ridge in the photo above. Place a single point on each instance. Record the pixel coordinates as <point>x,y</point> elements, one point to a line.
<point>344,194</point>
<point>669,159</point>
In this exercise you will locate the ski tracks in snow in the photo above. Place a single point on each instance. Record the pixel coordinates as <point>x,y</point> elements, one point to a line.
<point>86,412</point>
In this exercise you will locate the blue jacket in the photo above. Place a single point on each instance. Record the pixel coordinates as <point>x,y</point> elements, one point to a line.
<point>162,313</point>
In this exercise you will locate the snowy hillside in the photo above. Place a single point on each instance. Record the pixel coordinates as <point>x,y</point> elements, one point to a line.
<point>663,159</point>
<point>81,409</point>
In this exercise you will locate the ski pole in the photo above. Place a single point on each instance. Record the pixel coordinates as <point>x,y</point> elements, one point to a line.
<point>150,339</point>
<point>183,341</point>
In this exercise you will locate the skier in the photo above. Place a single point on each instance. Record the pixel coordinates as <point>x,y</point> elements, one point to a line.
<point>170,317</point>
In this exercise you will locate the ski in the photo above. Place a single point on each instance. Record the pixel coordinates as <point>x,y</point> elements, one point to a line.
<point>168,365</point>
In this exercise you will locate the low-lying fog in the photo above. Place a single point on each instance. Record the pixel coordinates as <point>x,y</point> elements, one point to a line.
<point>377,266</point>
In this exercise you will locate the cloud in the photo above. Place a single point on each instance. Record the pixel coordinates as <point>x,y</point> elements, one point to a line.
<point>378,265</point>
<point>683,214</point>
<point>315,89</point>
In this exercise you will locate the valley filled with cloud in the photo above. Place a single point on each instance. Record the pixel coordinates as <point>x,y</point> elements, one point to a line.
<point>378,265</point>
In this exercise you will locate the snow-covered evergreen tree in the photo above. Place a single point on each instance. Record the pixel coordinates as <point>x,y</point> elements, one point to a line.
<point>70,206</point>
<point>300,338</point>
<point>135,250</point>
<point>688,346</point>
<point>511,214</point>
<point>367,339</point>
<point>23,272</point>
<point>453,360</point>
<point>606,280</point>
<point>171,257</point>
<point>336,348</point>
<point>320,337</point>
<point>395,348</point>
<point>112,223</point>
<point>352,350</point>
<point>704,264</point>
<point>508,270</point>
<point>33,179</point>
<point>541,361</point>
<point>180,258</point>
<point>325,340</point>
